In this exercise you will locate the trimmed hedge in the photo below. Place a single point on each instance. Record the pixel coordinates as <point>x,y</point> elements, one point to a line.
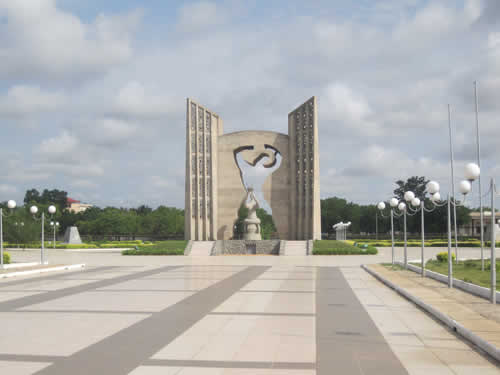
<point>159,248</point>
<point>154,252</point>
<point>443,257</point>
<point>332,247</point>
<point>6,258</point>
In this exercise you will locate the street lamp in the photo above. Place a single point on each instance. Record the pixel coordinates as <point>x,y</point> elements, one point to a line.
<point>54,225</point>
<point>11,205</point>
<point>472,171</point>
<point>393,202</point>
<point>18,230</point>
<point>34,211</point>
<point>493,260</point>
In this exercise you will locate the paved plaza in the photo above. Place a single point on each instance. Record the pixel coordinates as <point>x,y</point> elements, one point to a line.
<point>221,315</point>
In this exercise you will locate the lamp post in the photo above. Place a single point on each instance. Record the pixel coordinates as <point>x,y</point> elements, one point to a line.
<point>18,226</point>
<point>478,155</point>
<point>472,172</point>
<point>54,225</point>
<point>34,211</point>
<point>493,260</point>
<point>393,202</point>
<point>11,205</point>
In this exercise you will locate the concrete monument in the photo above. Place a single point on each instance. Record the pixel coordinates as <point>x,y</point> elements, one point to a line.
<point>71,236</point>
<point>215,188</point>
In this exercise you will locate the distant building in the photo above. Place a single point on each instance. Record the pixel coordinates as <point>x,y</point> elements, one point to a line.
<point>473,227</point>
<point>76,206</point>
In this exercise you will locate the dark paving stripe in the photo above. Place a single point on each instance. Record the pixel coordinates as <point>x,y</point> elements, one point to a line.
<point>347,340</point>
<point>29,358</point>
<point>285,279</point>
<point>18,303</point>
<point>148,290</point>
<point>57,276</point>
<point>230,364</point>
<point>126,312</point>
<point>261,314</point>
<point>275,291</point>
<point>131,347</point>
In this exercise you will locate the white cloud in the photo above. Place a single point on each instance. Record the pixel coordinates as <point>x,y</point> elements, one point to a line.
<point>25,100</point>
<point>40,38</point>
<point>133,100</point>
<point>86,184</point>
<point>346,108</point>
<point>111,132</point>
<point>198,16</point>
<point>65,143</point>
<point>7,189</point>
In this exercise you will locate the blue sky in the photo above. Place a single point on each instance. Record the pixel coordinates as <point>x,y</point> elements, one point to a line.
<point>92,98</point>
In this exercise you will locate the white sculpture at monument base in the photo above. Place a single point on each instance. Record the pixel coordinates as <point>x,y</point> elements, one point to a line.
<point>251,224</point>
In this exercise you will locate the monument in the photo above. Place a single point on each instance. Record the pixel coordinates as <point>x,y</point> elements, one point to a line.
<point>215,189</point>
<point>71,236</point>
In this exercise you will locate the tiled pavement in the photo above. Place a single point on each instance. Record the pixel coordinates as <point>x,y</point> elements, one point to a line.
<point>203,319</point>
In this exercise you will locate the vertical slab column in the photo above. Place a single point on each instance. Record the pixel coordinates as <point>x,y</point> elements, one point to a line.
<point>305,220</point>
<point>202,129</point>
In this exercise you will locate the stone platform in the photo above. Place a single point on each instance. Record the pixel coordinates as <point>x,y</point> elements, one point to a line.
<point>246,247</point>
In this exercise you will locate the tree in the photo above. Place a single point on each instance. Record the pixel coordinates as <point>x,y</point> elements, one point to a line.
<point>416,184</point>
<point>31,197</point>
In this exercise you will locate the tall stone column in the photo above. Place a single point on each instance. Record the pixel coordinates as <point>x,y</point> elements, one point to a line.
<point>202,130</point>
<point>305,218</point>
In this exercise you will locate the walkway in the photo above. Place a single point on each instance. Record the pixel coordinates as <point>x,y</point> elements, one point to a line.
<point>197,318</point>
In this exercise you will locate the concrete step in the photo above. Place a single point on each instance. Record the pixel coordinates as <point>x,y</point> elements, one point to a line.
<point>295,248</point>
<point>201,248</point>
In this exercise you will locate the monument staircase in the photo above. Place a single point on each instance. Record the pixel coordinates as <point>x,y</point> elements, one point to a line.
<point>295,248</point>
<point>201,248</point>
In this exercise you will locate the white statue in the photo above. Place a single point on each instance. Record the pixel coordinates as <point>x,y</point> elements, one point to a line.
<point>251,224</point>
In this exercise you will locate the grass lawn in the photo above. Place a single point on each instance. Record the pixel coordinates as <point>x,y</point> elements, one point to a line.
<point>418,243</point>
<point>468,271</point>
<point>159,248</point>
<point>332,247</point>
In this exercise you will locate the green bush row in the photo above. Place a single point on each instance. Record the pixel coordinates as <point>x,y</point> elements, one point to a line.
<point>154,252</point>
<point>332,247</point>
<point>443,256</point>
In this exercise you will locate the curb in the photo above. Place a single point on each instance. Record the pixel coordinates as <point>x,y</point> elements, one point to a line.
<point>491,349</point>
<point>19,265</point>
<point>43,270</point>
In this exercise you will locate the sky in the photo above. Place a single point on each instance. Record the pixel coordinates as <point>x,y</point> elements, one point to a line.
<point>93,93</point>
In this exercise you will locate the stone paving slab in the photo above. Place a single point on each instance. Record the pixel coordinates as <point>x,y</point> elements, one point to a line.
<point>474,313</point>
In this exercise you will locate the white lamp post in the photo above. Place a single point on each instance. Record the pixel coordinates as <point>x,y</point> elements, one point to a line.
<point>11,205</point>
<point>472,171</point>
<point>34,211</point>
<point>393,202</point>
<point>54,225</point>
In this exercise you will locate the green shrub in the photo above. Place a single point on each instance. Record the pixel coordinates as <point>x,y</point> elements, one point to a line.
<point>154,252</point>
<point>6,257</point>
<point>118,245</point>
<point>331,247</point>
<point>488,266</point>
<point>76,246</point>
<point>470,264</point>
<point>443,256</point>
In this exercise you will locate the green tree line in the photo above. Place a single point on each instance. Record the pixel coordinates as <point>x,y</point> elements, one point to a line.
<point>364,218</point>
<point>168,222</point>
